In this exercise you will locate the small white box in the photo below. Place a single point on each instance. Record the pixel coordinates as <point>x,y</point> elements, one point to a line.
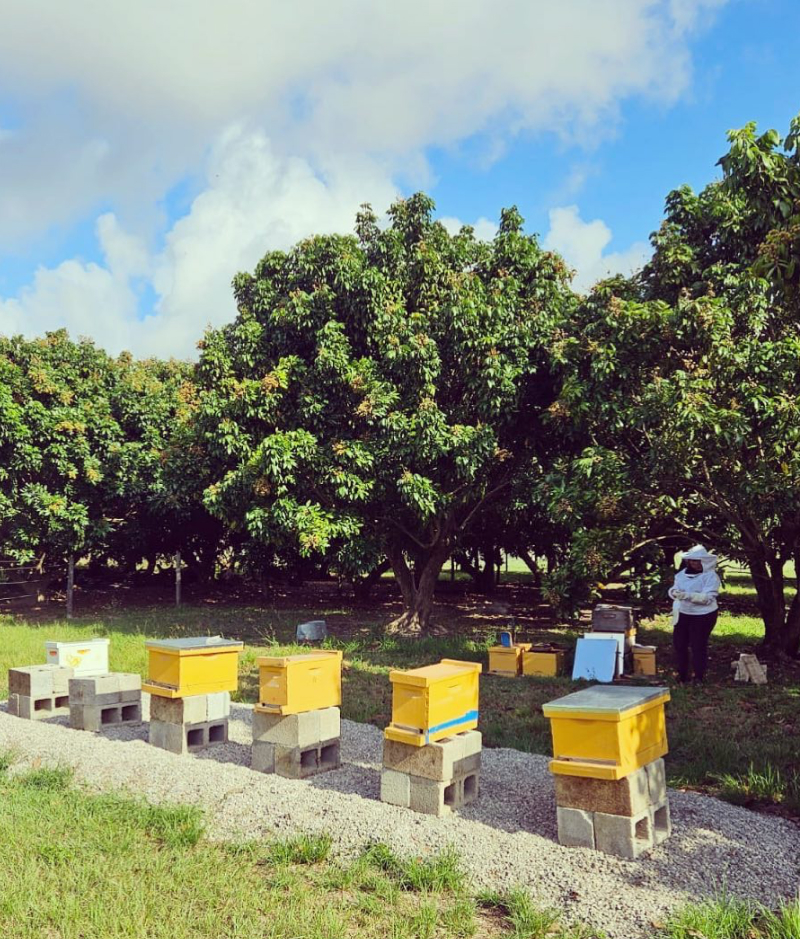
<point>85,658</point>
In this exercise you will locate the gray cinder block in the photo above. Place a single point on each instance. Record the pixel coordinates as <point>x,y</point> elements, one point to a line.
<point>629,796</point>
<point>302,762</point>
<point>39,708</point>
<point>39,681</point>
<point>295,731</point>
<point>441,761</point>
<point>192,709</point>
<point>218,706</point>
<point>262,757</point>
<point>623,836</point>
<point>661,822</point>
<point>575,828</point>
<point>95,691</point>
<point>94,717</point>
<point>428,796</point>
<point>657,781</point>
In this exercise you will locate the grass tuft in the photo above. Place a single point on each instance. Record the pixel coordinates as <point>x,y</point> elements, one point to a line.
<point>732,918</point>
<point>437,874</point>
<point>48,779</point>
<point>301,849</point>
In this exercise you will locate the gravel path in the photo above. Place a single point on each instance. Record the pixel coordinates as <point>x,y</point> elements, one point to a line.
<point>506,839</point>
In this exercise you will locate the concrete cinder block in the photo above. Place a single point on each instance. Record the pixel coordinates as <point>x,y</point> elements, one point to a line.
<point>192,709</point>
<point>167,735</point>
<point>428,796</point>
<point>575,828</point>
<point>94,691</point>
<point>622,835</point>
<point>395,788</point>
<point>302,762</point>
<point>661,822</point>
<point>130,687</point>
<point>291,732</point>
<point>330,723</point>
<point>629,796</point>
<point>39,681</point>
<point>95,717</point>
<point>262,757</point>
<point>218,706</point>
<point>21,705</point>
<point>437,761</point>
<point>657,781</point>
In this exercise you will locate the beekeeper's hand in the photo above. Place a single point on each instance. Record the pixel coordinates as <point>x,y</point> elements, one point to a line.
<point>678,594</point>
<point>700,598</point>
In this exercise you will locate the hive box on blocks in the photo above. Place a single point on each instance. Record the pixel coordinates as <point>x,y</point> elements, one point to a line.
<point>507,660</point>
<point>179,668</point>
<point>86,658</point>
<point>544,661</point>
<point>433,702</point>
<point>293,684</point>
<point>607,732</point>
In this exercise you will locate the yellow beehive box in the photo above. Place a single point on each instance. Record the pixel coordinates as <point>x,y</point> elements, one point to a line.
<point>507,660</point>
<point>607,732</point>
<point>434,702</point>
<point>644,660</point>
<point>179,668</point>
<point>294,683</point>
<point>545,663</point>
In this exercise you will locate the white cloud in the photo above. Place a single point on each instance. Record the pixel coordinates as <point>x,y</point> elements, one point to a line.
<point>290,115</point>
<point>254,201</point>
<point>485,229</point>
<point>582,245</point>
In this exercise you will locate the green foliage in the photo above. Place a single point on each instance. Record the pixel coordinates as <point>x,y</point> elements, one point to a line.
<point>441,872</point>
<point>680,389</point>
<point>377,392</point>
<point>82,449</point>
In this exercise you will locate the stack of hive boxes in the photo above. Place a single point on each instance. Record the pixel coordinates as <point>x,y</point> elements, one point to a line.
<point>610,621</point>
<point>189,682</point>
<point>297,721</point>
<point>431,749</point>
<point>39,691</point>
<point>608,744</point>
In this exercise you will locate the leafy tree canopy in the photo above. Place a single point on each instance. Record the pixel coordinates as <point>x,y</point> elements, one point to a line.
<point>377,392</point>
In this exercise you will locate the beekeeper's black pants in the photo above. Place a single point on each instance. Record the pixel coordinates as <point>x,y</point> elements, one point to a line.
<point>691,634</point>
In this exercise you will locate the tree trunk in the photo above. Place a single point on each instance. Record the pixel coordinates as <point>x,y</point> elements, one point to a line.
<point>363,586</point>
<point>767,574</point>
<point>417,587</point>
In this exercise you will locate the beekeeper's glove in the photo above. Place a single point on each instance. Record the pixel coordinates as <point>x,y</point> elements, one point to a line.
<point>701,598</point>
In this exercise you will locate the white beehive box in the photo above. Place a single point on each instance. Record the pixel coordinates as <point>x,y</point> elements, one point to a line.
<point>86,657</point>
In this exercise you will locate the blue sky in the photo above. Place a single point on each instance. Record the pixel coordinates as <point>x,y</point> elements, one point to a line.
<point>148,155</point>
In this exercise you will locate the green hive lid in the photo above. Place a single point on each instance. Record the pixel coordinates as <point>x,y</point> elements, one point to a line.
<point>605,699</point>
<point>192,642</point>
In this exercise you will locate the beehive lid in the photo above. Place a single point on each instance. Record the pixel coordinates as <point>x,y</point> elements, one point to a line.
<point>193,643</point>
<point>82,643</point>
<point>610,703</point>
<point>281,661</point>
<point>441,671</point>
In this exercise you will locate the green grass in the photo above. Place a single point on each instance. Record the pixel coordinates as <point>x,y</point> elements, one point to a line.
<point>81,866</point>
<point>730,918</point>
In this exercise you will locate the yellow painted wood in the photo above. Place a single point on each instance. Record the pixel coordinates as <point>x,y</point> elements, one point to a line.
<point>434,701</point>
<point>180,669</point>
<point>507,660</point>
<point>605,744</point>
<point>545,664</point>
<point>292,684</point>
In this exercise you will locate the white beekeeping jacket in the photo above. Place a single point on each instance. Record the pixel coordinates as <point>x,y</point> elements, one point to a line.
<point>701,589</point>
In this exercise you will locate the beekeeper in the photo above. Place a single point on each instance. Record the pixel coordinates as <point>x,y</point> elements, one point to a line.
<point>694,611</point>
